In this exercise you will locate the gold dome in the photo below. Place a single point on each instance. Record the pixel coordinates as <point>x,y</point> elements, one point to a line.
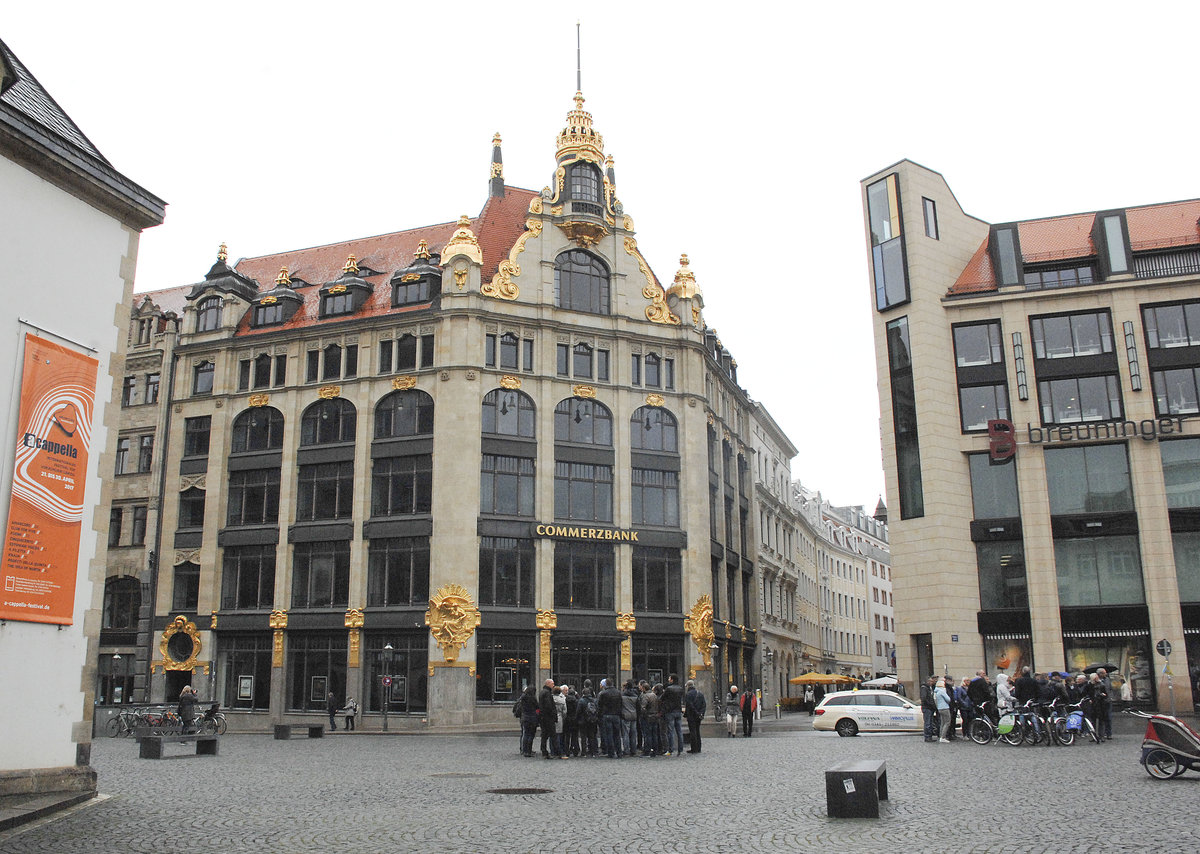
<point>685,281</point>
<point>579,140</point>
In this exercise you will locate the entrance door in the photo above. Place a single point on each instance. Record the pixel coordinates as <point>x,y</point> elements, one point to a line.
<point>572,660</point>
<point>923,647</point>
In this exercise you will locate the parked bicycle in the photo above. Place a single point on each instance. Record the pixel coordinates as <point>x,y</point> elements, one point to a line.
<point>213,720</point>
<point>122,724</point>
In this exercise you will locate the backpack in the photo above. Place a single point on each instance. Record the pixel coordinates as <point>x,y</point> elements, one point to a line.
<point>587,709</point>
<point>517,709</point>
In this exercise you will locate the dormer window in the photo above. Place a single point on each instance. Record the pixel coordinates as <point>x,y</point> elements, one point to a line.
<point>334,304</point>
<point>268,315</point>
<point>1110,234</point>
<point>411,289</point>
<point>208,314</point>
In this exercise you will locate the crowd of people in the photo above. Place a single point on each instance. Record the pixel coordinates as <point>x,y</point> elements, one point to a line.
<point>636,719</point>
<point>949,706</point>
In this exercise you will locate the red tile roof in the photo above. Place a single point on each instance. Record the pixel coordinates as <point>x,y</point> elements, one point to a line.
<point>497,228</point>
<point>1066,237</point>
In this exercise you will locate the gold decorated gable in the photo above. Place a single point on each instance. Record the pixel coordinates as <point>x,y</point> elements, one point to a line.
<point>502,285</point>
<point>699,624</point>
<point>657,311</point>
<point>452,618</point>
<point>463,242</point>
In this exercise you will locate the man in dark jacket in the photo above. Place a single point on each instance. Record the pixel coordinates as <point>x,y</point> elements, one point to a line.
<point>1025,690</point>
<point>979,692</point>
<point>629,714</point>
<point>547,716</point>
<point>694,706</point>
<point>671,709</point>
<point>609,708</point>
<point>570,724</point>
<point>748,704</point>
<point>929,709</point>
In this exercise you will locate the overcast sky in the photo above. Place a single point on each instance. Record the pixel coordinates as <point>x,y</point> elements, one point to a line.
<point>740,133</point>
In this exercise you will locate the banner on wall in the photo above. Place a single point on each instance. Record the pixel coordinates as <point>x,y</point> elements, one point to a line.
<point>45,515</point>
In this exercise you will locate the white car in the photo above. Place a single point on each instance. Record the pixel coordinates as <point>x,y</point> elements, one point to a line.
<point>851,712</point>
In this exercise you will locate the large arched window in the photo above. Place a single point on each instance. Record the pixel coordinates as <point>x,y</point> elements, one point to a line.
<point>208,314</point>
<point>258,429</point>
<point>404,413</point>
<point>122,601</point>
<point>581,282</point>
<point>653,428</point>
<point>507,412</point>
<point>327,422</point>
<point>584,422</point>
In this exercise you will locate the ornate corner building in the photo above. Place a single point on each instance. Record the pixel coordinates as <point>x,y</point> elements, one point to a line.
<point>465,456</point>
<point>1038,392</point>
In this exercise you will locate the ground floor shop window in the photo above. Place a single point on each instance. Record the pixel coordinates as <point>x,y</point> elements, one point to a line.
<point>1007,654</point>
<point>244,671</point>
<point>573,660</point>
<point>504,665</point>
<point>1126,655</point>
<point>656,658</point>
<point>1191,638</point>
<point>114,679</point>
<point>405,666</point>
<point>316,668</point>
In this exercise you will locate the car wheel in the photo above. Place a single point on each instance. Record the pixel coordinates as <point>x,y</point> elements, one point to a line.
<point>846,728</point>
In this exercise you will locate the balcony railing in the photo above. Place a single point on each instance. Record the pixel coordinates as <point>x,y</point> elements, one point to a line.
<point>1157,265</point>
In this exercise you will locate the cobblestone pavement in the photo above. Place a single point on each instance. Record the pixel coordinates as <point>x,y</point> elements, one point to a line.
<point>364,793</point>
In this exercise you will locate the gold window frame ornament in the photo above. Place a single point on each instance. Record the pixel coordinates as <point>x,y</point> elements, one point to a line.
<point>180,625</point>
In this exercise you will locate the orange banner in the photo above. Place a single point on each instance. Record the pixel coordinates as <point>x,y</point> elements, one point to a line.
<point>45,515</point>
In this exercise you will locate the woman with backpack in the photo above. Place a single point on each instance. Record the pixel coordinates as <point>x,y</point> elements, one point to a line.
<point>587,720</point>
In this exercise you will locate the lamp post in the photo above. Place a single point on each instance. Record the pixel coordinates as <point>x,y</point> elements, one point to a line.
<point>718,694</point>
<point>386,658</point>
<point>768,657</point>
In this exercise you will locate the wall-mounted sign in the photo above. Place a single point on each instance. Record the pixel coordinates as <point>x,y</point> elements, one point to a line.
<point>45,513</point>
<point>1002,434</point>
<point>574,532</point>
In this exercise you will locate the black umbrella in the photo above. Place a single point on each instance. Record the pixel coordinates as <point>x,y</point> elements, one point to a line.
<point>1108,668</point>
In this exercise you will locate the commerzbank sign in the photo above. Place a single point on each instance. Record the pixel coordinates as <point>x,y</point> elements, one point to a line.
<point>574,532</point>
<point>1002,433</point>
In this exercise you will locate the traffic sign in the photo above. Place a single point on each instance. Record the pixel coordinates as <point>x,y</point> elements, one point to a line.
<point>387,680</point>
<point>1164,647</point>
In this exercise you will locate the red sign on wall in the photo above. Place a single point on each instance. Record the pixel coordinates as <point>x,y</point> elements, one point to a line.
<point>45,514</point>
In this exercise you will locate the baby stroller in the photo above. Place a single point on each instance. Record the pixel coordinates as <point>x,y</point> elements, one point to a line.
<point>1169,747</point>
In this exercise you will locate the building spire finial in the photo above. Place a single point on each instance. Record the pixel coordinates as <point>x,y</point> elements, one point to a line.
<point>578,61</point>
<point>223,252</point>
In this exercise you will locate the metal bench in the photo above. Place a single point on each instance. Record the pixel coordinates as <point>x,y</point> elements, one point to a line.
<point>151,746</point>
<point>284,731</point>
<point>854,789</point>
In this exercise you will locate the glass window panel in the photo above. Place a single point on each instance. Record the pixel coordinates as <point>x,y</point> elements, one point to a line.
<point>1002,575</point>
<point>1187,564</point>
<point>1091,479</point>
<point>1115,239</point>
<point>980,404</point>
<point>1181,472</point>
<point>1097,571</point>
<point>993,488</point>
<point>977,344</point>
<point>1175,392</point>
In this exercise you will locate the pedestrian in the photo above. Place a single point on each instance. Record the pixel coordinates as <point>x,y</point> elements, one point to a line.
<point>560,712</point>
<point>809,699</point>
<point>587,720</point>
<point>694,706</point>
<point>671,707</point>
<point>570,727</point>
<point>929,709</point>
<point>965,705</point>
<point>187,708</point>
<point>547,718</point>
<point>609,707</point>
<point>527,705</point>
<point>629,715</point>
<point>950,683</point>
<point>731,712</point>
<point>1097,698</point>
<point>1004,695</point>
<point>643,688</point>
<point>748,703</point>
<point>351,712</point>
<point>332,707</point>
<point>1108,702</point>
<point>648,710</point>
<point>942,699</point>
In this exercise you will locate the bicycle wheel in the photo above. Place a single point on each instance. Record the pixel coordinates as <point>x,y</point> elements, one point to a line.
<point>981,731</point>
<point>1031,734</point>
<point>1066,737</point>
<point>1091,730</point>
<point>1161,764</point>
<point>221,724</point>
<point>113,727</point>
<point>208,726</point>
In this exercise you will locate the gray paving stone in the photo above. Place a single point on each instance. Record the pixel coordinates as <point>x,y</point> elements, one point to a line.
<point>429,794</point>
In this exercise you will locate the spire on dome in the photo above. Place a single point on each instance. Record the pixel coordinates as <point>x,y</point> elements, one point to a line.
<point>496,187</point>
<point>223,253</point>
<point>579,140</point>
<point>685,281</point>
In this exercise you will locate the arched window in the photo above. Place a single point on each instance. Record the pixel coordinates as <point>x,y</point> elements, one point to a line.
<point>507,412</point>
<point>258,429</point>
<point>585,186</point>
<point>404,413</point>
<point>327,422</point>
<point>122,601</point>
<point>581,282</point>
<point>208,314</point>
<point>584,422</point>
<point>653,428</point>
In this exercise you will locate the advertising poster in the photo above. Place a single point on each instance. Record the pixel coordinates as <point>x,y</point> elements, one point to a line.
<point>45,514</point>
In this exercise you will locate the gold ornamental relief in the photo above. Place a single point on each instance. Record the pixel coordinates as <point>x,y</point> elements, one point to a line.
<point>627,653</point>
<point>328,392</point>
<point>213,617</point>
<point>510,382</point>
<point>657,311</point>
<point>278,620</point>
<point>655,400</point>
<point>277,648</point>
<point>354,618</point>
<point>584,234</point>
<point>180,645</point>
<point>460,277</point>
<point>547,620</point>
<point>337,289</point>
<point>699,624</point>
<point>535,205</point>
<point>463,242</point>
<point>626,623</point>
<point>502,285</point>
<point>355,639</point>
<point>403,383</point>
<point>585,391</point>
<point>268,301</point>
<point>452,618</point>
<point>259,399</point>
<point>544,649</point>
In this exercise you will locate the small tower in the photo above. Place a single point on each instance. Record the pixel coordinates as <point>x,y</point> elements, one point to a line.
<point>496,187</point>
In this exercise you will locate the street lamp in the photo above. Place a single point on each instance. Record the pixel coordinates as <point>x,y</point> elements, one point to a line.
<point>386,658</point>
<point>717,690</point>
